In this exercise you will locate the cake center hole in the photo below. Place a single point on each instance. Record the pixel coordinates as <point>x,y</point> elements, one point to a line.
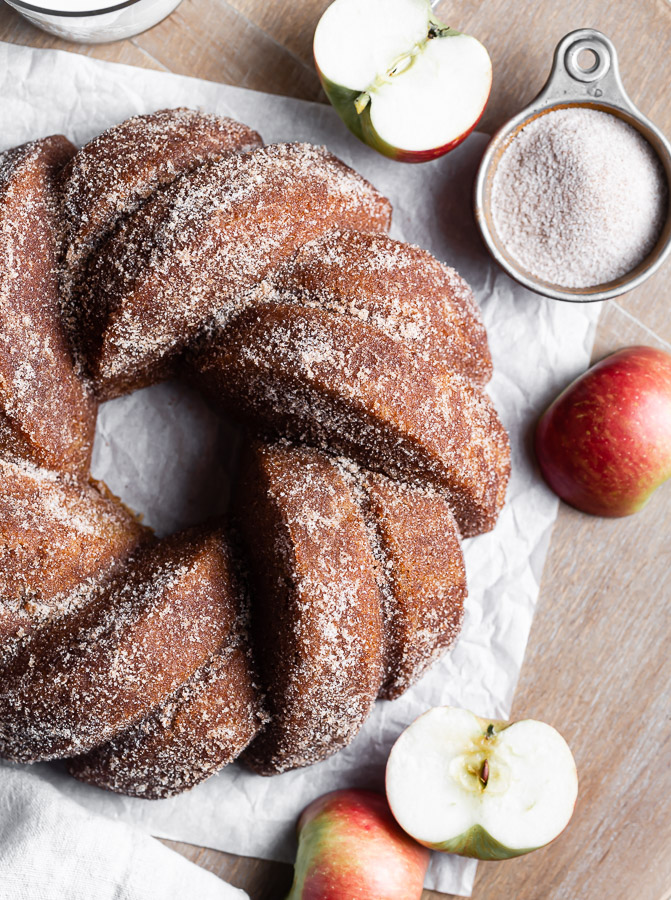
<point>167,454</point>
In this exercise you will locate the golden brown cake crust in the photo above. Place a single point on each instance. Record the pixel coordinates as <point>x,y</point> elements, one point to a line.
<point>95,673</point>
<point>112,175</point>
<point>316,617</point>
<point>59,538</point>
<point>399,289</point>
<point>205,724</point>
<point>200,728</point>
<point>195,247</point>
<point>47,413</point>
<point>424,587</point>
<point>341,385</point>
<point>339,554</point>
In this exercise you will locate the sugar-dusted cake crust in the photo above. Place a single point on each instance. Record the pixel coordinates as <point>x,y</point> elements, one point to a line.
<point>200,728</point>
<point>100,670</point>
<point>47,412</point>
<point>416,540</point>
<point>196,246</point>
<point>357,587</point>
<point>60,538</point>
<point>316,617</point>
<point>112,175</point>
<point>340,384</point>
<point>205,724</point>
<point>396,288</point>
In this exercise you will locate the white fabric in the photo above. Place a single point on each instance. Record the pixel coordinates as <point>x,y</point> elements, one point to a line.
<point>53,849</point>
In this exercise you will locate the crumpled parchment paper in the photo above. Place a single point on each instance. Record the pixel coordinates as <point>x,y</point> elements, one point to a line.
<point>166,454</point>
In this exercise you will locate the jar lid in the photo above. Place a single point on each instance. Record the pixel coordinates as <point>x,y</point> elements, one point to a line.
<point>73,7</point>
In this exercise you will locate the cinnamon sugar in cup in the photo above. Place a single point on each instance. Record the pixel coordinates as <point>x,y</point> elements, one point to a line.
<point>572,195</point>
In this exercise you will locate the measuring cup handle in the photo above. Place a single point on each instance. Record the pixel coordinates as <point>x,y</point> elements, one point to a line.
<point>570,79</point>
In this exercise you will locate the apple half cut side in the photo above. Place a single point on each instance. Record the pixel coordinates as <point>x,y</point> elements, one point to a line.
<point>403,83</point>
<point>481,788</point>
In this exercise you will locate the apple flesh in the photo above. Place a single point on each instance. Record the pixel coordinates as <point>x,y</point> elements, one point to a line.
<point>604,445</point>
<point>349,846</point>
<point>480,787</point>
<point>403,82</point>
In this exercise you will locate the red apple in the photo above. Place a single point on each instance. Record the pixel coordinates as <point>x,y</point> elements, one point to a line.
<point>604,445</point>
<point>351,848</point>
<point>403,82</point>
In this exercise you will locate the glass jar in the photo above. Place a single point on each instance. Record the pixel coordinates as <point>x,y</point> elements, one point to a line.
<point>94,21</point>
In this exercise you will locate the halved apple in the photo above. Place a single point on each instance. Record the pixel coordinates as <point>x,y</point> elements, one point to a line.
<point>480,787</point>
<point>402,82</point>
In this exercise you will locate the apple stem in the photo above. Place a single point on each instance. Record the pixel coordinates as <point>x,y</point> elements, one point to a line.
<point>437,31</point>
<point>484,773</point>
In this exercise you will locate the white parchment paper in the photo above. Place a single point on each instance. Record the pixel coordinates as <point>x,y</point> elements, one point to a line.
<point>166,454</point>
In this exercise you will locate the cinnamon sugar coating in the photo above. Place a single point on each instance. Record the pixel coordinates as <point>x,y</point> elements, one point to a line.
<point>417,543</point>
<point>265,275</point>
<point>396,288</point>
<point>202,727</point>
<point>205,724</point>
<point>118,170</point>
<point>47,412</point>
<point>316,617</point>
<point>358,586</point>
<point>98,671</point>
<point>59,538</point>
<point>196,246</point>
<point>340,384</point>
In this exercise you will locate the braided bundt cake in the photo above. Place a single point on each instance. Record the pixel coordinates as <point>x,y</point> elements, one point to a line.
<point>178,245</point>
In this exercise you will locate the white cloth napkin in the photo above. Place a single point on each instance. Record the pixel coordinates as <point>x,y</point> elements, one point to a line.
<point>53,849</point>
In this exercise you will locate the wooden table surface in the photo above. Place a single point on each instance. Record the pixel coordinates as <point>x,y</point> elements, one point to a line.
<point>598,664</point>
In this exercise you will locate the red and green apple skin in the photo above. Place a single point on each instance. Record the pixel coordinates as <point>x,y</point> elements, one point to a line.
<point>604,445</point>
<point>360,124</point>
<point>351,848</point>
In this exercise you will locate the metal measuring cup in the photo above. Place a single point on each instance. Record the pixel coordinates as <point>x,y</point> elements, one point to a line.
<point>597,87</point>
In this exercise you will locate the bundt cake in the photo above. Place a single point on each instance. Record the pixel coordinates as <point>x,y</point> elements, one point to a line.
<point>178,245</point>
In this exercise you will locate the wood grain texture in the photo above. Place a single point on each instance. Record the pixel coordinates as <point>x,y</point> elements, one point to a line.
<point>16,30</point>
<point>219,43</point>
<point>598,665</point>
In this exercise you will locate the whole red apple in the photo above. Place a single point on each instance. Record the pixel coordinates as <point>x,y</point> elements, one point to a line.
<point>351,848</point>
<point>604,445</point>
